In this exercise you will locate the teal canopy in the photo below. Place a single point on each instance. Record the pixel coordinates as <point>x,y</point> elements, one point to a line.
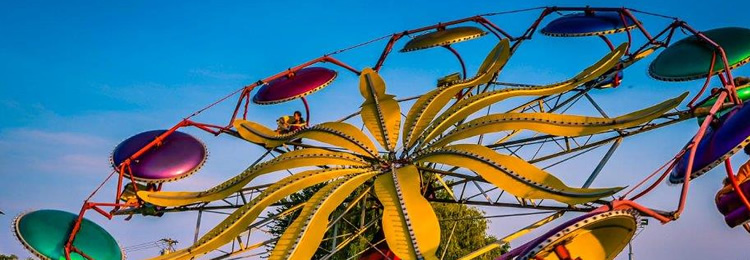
<point>44,233</point>
<point>690,58</point>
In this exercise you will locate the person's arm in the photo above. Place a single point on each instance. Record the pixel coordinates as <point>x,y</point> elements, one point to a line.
<point>744,172</point>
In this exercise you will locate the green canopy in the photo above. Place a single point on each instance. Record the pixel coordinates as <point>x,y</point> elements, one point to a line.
<point>690,58</point>
<point>44,233</point>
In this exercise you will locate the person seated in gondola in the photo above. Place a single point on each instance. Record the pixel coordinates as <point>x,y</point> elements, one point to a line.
<point>729,206</point>
<point>741,81</point>
<point>287,124</point>
<point>742,175</point>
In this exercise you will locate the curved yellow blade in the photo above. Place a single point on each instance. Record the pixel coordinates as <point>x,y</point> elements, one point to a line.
<point>302,238</point>
<point>334,133</point>
<point>512,174</point>
<point>639,56</point>
<point>294,159</point>
<point>242,217</point>
<point>466,107</point>
<point>380,112</point>
<point>410,225</point>
<point>428,105</point>
<point>555,124</point>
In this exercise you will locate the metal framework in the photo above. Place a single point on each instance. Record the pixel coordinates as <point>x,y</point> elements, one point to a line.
<point>473,191</point>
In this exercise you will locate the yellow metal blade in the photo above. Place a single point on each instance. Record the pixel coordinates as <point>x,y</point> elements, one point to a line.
<point>428,105</point>
<point>395,227</point>
<point>512,174</point>
<point>242,217</point>
<point>335,133</point>
<point>380,112</point>
<point>385,131</point>
<point>301,239</point>
<point>410,225</point>
<point>466,107</point>
<point>639,56</point>
<point>294,159</point>
<point>256,133</point>
<point>555,124</point>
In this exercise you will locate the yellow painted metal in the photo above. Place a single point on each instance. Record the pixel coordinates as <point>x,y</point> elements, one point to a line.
<point>380,113</point>
<point>601,236</point>
<point>394,225</point>
<point>300,240</point>
<point>445,186</point>
<point>512,236</point>
<point>294,159</point>
<point>334,133</point>
<point>626,63</point>
<point>410,225</point>
<point>256,133</point>
<point>428,105</point>
<point>424,222</point>
<point>643,54</point>
<point>468,106</point>
<point>555,124</point>
<point>128,192</point>
<point>508,136</point>
<point>443,37</point>
<point>242,217</point>
<point>512,174</point>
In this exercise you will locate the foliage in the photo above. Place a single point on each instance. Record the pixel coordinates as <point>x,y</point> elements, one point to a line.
<point>12,257</point>
<point>469,233</point>
<point>470,227</point>
<point>347,226</point>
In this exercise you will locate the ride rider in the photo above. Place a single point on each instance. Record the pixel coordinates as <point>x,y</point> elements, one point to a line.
<point>742,174</point>
<point>287,124</point>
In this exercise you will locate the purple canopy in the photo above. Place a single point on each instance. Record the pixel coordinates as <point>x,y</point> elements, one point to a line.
<point>562,235</point>
<point>731,201</point>
<point>302,83</point>
<point>525,248</point>
<point>730,205</point>
<point>731,135</point>
<point>587,24</point>
<point>178,156</point>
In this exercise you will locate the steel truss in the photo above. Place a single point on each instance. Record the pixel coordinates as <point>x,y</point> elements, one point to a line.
<point>465,188</point>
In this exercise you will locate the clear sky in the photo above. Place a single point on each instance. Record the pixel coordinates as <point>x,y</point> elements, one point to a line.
<point>78,77</point>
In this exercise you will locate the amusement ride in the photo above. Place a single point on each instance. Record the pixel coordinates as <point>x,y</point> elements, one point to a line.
<point>449,139</point>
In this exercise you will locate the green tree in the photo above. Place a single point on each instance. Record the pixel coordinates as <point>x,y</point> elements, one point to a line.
<point>12,257</point>
<point>351,222</point>
<point>469,234</point>
<point>470,228</point>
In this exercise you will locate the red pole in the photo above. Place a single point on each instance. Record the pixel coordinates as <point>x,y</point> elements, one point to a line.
<point>245,94</point>
<point>705,84</point>
<point>637,23</point>
<point>694,148</point>
<point>661,178</point>
<point>486,22</point>
<point>627,30</point>
<point>460,60</point>
<point>730,80</point>
<point>608,42</point>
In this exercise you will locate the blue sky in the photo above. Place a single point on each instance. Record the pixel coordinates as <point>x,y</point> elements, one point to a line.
<point>78,77</point>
